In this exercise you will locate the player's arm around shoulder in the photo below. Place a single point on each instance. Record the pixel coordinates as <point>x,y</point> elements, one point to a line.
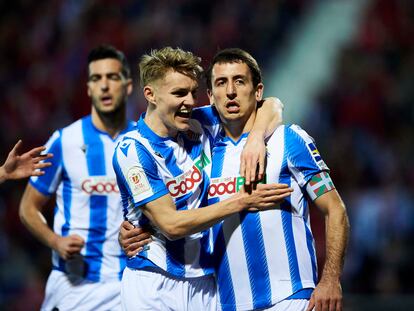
<point>252,160</point>
<point>328,293</point>
<point>178,224</point>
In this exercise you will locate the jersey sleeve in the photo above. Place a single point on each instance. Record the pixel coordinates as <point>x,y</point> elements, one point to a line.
<point>48,183</point>
<point>208,118</point>
<point>303,158</point>
<point>137,173</point>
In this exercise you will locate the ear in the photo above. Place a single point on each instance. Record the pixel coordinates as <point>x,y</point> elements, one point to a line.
<point>88,90</point>
<point>210,97</point>
<point>149,94</point>
<point>259,91</point>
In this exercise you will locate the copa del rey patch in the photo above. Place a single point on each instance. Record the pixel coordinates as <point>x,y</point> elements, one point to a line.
<point>137,180</point>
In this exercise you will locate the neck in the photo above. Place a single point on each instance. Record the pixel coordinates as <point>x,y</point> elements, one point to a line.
<point>235,128</point>
<point>112,123</point>
<point>153,121</point>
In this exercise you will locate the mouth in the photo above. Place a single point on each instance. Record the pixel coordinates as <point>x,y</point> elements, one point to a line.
<point>232,106</point>
<point>106,100</point>
<point>184,113</point>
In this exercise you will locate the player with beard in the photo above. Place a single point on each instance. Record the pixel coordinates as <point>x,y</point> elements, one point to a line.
<point>86,257</point>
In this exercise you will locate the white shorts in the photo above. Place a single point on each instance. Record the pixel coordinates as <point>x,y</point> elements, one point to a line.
<point>289,305</point>
<point>146,290</point>
<point>63,293</point>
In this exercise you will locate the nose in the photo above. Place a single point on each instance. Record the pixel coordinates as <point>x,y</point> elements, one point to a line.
<point>231,91</point>
<point>104,85</point>
<point>190,100</point>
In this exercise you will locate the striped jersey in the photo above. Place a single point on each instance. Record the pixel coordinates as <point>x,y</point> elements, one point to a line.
<point>88,202</point>
<point>264,257</point>
<point>148,167</point>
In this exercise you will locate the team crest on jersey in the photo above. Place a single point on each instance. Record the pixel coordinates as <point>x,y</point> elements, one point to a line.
<point>137,181</point>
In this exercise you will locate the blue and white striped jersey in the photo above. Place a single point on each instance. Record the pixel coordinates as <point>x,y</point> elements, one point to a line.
<point>262,258</point>
<point>149,166</point>
<point>88,202</point>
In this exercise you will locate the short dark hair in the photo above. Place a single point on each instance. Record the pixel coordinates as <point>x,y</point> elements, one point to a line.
<point>108,51</point>
<point>235,55</point>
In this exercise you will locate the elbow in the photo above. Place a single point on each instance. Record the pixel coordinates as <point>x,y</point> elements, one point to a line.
<point>172,233</point>
<point>22,213</point>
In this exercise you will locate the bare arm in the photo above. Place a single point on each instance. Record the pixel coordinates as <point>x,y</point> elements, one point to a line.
<point>268,118</point>
<point>21,166</point>
<point>177,224</point>
<point>328,293</point>
<point>31,207</point>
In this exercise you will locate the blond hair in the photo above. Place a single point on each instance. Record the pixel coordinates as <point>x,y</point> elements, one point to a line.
<point>154,66</point>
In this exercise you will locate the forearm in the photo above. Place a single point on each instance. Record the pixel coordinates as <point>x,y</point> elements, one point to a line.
<point>3,175</point>
<point>178,224</point>
<point>34,221</point>
<point>268,117</point>
<point>337,231</point>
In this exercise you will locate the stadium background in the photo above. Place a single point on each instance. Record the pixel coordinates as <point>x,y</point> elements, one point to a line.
<point>351,88</point>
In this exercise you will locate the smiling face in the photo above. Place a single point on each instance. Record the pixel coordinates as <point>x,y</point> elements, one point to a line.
<point>107,87</point>
<point>233,93</point>
<point>172,98</point>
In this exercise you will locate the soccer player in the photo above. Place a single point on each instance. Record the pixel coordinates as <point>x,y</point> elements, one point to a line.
<point>162,169</point>
<point>87,259</point>
<point>21,166</point>
<point>267,260</point>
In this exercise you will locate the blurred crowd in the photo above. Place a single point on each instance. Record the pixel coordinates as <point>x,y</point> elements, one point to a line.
<point>362,121</point>
<point>364,125</point>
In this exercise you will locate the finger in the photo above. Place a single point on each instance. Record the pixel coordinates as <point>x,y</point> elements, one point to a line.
<point>141,241</point>
<point>16,147</point>
<point>76,244</point>
<point>339,305</point>
<point>261,167</point>
<point>36,151</point>
<point>42,165</point>
<point>37,173</point>
<point>133,253</point>
<point>243,168</point>
<point>42,157</point>
<point>253,170</point>
<point>311,304</point>
<point>247,173</point>
<point>77,239</point>
<point>272,186</point>
<point>132,233</point>
<point>127,225</point>
<point>74,249</point>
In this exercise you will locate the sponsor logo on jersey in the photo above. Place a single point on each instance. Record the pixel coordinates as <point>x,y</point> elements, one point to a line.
<point>227,186</point>
<point>99,185</point>
<point>224,185</point>
<point>137,181</point>
<point>189,180</point>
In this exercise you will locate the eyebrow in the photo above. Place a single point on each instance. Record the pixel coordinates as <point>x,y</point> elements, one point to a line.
<point>105,74</point>
<point>239,76</point>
